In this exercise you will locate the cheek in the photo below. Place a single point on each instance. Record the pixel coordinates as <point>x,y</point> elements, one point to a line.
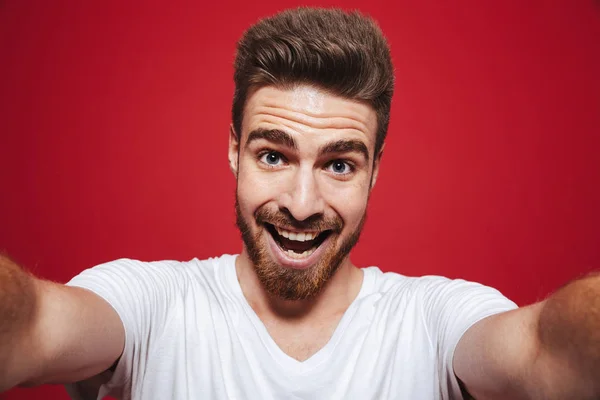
<point>349,201</point>
<point>352,214</point>
<point>256,187</point>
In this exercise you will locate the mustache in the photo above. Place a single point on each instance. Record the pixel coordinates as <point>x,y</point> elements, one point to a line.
<point>284,218</point>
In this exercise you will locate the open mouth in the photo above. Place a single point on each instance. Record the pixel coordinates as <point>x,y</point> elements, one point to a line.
<point>297,244</point>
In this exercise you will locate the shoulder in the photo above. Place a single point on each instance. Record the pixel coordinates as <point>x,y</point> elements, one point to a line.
<point>165,275</point>
<point>433,290</point>
<point>395,283</point>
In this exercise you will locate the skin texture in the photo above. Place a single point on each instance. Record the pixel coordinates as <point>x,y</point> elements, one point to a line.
<point>17,313</point>
<point>302,189</point>
<point>52,333</point>
<point>549,350</point>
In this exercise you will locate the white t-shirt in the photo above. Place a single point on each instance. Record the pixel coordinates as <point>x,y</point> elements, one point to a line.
<point>190,334</point>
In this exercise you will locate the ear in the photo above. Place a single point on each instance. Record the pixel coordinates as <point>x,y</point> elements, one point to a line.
<point>234,147</point>
<point>376,165</point>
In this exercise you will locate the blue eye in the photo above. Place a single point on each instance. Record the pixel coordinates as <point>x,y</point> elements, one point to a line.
<point>340,167</point>
<point>271,158</point>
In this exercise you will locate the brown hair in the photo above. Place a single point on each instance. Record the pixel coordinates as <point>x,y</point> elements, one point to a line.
<point>342,52</point>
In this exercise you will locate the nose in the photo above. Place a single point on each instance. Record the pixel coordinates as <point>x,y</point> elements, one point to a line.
<point>302,197</point>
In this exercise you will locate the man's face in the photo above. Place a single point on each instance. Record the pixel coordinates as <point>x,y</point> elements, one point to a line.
<point>304,170</point>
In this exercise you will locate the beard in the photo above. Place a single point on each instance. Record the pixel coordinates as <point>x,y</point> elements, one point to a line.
<point>290,283</point>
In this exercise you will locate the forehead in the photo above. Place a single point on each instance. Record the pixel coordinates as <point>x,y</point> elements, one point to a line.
<point>311,112</point>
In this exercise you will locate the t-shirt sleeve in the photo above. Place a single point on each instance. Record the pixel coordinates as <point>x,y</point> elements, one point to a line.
<point>139,292</point>
<point>451,307</point>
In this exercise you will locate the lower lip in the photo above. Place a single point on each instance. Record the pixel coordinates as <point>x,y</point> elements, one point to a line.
<point>286,261</point>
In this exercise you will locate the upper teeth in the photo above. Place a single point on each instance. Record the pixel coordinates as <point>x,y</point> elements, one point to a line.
<point>298,236</point>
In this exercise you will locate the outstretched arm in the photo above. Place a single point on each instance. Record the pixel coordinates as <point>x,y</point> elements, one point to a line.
<point>51,333</point>
<point>549,350</point>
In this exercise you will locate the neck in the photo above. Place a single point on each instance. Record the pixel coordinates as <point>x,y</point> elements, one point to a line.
<point>335,297</point>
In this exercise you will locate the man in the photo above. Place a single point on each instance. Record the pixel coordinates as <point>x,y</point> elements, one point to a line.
<point>291,316</point>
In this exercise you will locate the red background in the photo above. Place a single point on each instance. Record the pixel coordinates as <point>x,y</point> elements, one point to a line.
<point>114,121</point>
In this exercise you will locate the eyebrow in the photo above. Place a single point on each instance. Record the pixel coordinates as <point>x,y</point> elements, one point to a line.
<point>346,146</point>
<point>272,135</point>
<point>285,139</point>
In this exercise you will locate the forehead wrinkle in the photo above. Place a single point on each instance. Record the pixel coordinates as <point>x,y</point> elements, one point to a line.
<point>316,111</point>
<point>316,120</point>
<point>274,122</point>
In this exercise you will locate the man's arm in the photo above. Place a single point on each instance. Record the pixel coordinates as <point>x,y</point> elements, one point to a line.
<point>51,333</point>
<point>549,350</point>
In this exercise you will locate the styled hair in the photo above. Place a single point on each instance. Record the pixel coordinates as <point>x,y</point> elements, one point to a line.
<point>343,53</point>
